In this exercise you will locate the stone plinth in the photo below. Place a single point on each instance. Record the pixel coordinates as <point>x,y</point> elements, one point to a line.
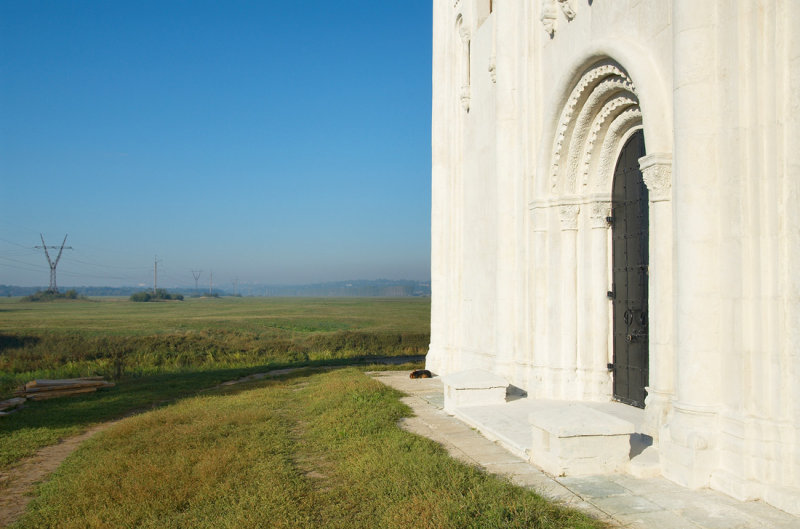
<point>473,387</point>
<point>571,439</point>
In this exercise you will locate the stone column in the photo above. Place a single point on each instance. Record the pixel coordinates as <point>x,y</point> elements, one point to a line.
<point>538,258</point>
<point>568,218</point>
<point>657,172</point>
<point>596,363</point>
<point>442,146</point>
<point>687,443</point>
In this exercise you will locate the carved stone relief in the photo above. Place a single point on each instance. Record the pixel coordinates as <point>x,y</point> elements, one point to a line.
<point>464,97</point>
<point>549,16</point>
<point>598,212</point>
<point>567,9</point>
<point>550,10</point>
<point>657,174</point>
<point>568,216</point>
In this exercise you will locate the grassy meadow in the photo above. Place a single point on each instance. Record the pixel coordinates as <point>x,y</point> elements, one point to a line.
<point>117,338</point>
<point>158,352</point>
<point>307,450</point>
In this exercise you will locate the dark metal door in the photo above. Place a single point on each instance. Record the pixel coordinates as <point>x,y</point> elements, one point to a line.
<point>630,259</point>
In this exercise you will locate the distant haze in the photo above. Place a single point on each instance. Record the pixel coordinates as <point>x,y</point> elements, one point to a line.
<point>266,142</point>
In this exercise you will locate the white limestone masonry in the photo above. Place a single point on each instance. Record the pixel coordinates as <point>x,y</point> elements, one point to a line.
<point>533,101</point>
<point>473,387</point>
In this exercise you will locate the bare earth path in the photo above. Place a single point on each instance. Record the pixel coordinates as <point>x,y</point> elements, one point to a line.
<point>17,482</point>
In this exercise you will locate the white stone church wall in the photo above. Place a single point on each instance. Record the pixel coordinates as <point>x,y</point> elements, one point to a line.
<point>521,189</point>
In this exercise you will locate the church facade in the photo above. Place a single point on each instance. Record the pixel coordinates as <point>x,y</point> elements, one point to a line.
<point>616,216</point>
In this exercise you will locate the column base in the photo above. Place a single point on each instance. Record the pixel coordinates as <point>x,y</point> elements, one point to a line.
<point>686,447</point>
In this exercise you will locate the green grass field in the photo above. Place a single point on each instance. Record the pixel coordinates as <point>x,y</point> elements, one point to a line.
<point>118,338</point>
<point>305,451</point>
<point>159,352</point>
<point>310,449</point>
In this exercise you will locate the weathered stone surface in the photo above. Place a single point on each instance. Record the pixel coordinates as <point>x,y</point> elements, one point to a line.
<point>532,103</point>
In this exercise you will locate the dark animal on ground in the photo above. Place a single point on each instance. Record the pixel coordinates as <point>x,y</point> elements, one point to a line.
<point>420,373</point>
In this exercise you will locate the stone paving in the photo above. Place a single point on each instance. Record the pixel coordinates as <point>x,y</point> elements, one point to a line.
<point>618,499</point>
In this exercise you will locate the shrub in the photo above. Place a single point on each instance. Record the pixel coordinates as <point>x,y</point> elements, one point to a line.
<point>48,295</point>
<point>159,295</point>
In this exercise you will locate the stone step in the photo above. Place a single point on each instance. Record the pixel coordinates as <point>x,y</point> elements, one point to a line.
<point>571,439</point>
<point>646,464</point>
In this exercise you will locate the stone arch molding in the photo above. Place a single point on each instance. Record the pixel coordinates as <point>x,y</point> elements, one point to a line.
<point>601,112</point>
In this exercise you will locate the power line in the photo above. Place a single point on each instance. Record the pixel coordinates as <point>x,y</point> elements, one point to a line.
<point>53,287</point>
<point>19,268</point>
<point>21,262</point>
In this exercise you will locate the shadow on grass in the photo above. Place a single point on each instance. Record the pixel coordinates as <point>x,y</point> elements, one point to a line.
<point>9,341</point>
<point>43,423</point>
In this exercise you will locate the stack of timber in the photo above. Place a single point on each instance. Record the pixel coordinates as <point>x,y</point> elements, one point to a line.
<point>50,389</point>
<point>11,405</point>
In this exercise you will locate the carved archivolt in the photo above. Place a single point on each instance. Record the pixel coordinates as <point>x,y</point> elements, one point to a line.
<point>600,112</point>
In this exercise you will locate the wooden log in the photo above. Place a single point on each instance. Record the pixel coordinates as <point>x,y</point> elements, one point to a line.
<point>83,382</point>
<point>64,393</point>
<point>11,403</point>
<point>30,391</point>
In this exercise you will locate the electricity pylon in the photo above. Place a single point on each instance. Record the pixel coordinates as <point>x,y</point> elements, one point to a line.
<point>196,275</point>
<point>53,287</point>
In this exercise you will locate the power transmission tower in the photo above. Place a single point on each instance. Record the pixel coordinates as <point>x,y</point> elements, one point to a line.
<point>211,283</point>
<point>53,287</point>
<point>155,274</point>
<point>196,275</point>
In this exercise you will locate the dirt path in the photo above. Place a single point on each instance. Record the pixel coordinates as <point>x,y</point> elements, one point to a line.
<point>17,482</point>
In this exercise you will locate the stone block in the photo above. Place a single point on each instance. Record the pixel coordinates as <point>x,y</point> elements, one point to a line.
<point>570,439</point>
<point>473,387</point>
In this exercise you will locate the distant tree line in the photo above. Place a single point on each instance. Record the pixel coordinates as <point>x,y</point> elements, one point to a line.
<point>47,295</point>
<point>159,295</point>
<point>353,288</point>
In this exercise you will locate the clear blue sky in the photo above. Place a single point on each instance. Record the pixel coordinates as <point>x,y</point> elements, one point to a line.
<point>276,142</point>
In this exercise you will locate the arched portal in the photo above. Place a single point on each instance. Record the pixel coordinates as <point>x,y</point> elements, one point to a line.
<point>589,344</point>
<point>630,259</point>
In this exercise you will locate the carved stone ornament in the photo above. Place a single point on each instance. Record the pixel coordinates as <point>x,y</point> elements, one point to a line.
<point>657,174</point>
<point>598,212</point>
<point>493,68</point>
<point>465,97</point>
<point>567,8</point>
<point>568,216</point>
<point>549,15</point>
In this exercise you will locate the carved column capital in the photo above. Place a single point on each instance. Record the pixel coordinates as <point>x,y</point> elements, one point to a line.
<point>657,173</point>
<point>568,216</point>
<point>598,212</point>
